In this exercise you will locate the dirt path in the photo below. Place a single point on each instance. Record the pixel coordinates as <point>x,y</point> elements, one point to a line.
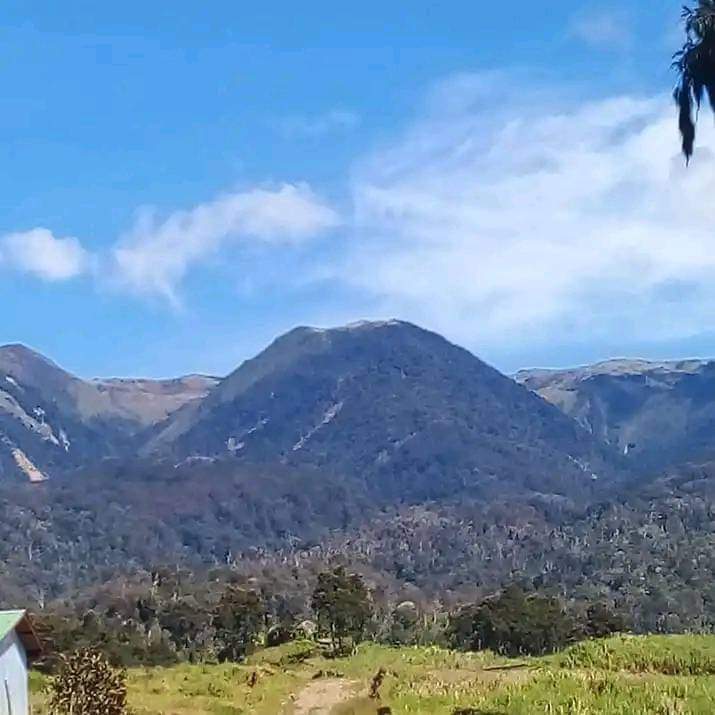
<point>321,696</point>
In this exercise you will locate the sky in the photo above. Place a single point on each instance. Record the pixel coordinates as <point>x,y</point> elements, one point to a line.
<point>185,181</point>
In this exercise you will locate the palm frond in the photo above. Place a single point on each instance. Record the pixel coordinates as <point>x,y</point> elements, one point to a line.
<point>695,65</point>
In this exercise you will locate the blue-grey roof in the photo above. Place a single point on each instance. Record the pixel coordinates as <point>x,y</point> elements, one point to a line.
<point>19,622</point>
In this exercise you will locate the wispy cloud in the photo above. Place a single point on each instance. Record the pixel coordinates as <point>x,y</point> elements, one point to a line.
<point>156,254</point>
<point>335,120</point>
<point>532,222</point>
<point>605,28</point>
<point>40,253</point>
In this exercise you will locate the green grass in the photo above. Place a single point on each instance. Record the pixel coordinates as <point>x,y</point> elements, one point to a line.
<point>563,692</point>
<point>670,655</point>
<point>654,675</point>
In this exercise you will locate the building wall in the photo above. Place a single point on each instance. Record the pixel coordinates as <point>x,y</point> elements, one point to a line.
<point>13,677</point>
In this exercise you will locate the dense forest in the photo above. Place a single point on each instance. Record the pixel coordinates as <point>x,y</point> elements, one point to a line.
<point>167,616</point>
<point>648,552</point>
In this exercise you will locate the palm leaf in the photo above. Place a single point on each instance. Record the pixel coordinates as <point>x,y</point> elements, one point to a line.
<point>695,65</point>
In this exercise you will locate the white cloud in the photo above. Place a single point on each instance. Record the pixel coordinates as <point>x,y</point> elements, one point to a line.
<point>336,120</point>
<point>531,223</point>
<point>155,256</point>
<point>43,255</point>
<point>606,28</point>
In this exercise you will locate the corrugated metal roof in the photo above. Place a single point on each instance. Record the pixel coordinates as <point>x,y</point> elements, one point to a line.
<point>18,621</point>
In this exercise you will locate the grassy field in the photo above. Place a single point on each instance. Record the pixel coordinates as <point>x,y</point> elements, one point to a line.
<point>625,675</point>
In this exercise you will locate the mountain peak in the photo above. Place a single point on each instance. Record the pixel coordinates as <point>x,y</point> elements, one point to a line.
<point>24,363</point>
<point>385,401</point>
<point>19,351</point>
<point>356,326</point>
<point>377,324</point>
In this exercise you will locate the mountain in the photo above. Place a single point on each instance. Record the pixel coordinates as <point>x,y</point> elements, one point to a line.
<point>52,421</point>
<point>394,405</point>
<point>377,445</point>
<point>401,410</point>
<point>655,413</point>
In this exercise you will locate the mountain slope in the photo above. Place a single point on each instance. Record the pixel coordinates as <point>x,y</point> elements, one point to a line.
<point>52,421</point>
<point>392,404</point>
<point>655,413</point>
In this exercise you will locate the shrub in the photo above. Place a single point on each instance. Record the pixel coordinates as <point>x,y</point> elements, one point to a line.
<point>86,684</point>
<point>278,635</point>
<point>601,621</point>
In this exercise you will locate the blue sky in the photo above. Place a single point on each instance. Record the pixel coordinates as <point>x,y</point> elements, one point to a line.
<point>184,181</point>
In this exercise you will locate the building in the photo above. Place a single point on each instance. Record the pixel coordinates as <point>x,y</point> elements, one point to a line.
<point>18,645</point>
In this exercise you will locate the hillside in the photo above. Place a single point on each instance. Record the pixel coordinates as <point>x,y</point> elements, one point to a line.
<point>654,413</point>
<point>381,443</point>
<point>397,406</point>
<point>72,535</point>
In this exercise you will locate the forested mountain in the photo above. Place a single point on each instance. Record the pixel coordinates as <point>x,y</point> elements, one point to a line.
<point>393,405</point>
<point>654,413</point>
<point>396,406</point>
<point>649,548</point>
<point>380,445</point>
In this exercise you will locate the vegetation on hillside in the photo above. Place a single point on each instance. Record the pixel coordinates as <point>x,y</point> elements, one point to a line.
<point>513,623</point>
<point>187,621</point>
<point>648,552</point>
<point>669,655</point>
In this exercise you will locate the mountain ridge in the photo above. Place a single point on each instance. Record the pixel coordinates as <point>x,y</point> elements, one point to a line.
<point>399,405</point>
<point>652,412</point>
<point>52,421</point>
<point>380,441</point>
<point>388,400</point>
<point>656,413</point>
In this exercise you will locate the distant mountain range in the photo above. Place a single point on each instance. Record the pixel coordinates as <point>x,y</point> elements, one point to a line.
<point>654,413</point>
<point>377,441</point>
<point>52,422</point>
<point>388,402</point>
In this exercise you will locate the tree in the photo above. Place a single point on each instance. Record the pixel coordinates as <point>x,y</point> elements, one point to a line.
<point>86,684</point>
<point>695,64</point>
<point>601,621</point>
<point>342,606</point>
<point>513,624</point>
<point>238,621</point>
<point>188,624</point>
<point>405,621</point>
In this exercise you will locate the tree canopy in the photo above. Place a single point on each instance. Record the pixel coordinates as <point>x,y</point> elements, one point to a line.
<point>238,621</point>
<point>342,605</point>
